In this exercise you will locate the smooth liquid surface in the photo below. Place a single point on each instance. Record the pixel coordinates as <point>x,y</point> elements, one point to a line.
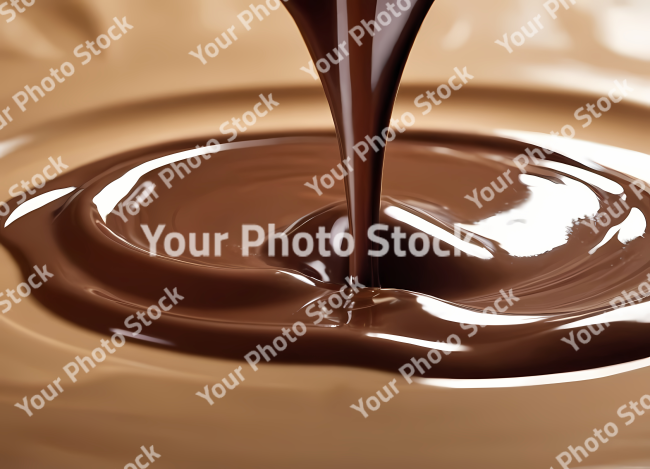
<point>233,303</point>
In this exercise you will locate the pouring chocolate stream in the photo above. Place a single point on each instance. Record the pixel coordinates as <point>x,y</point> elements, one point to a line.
<point>371,40</point>
<point>531,246</point>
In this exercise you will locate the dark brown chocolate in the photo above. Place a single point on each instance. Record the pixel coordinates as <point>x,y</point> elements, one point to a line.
<point>361,91</point>
<point>104,273</point>
<point>233,303</point>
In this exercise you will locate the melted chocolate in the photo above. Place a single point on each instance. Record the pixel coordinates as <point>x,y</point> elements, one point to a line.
<point>361,91</point>
<point>104,273</point>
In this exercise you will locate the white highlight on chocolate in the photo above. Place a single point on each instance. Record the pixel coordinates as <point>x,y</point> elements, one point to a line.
<point>108,198</point>
<point>299,277</point>
<point>37,202</point>
<point>540,223</point>
<point>437,232</point>
<point>592,178</point>
<point>632,227</point>
<point>111,195</point>
<point>443,346</point>
<point>452,313</point>
<point>594,155</point>
<point>525,381</point>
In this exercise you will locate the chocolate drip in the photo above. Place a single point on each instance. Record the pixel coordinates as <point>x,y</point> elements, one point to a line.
<point>553,285</point>
<point>361,91</point>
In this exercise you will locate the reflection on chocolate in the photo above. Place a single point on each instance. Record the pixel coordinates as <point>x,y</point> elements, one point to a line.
<point>233,303</point>
<point>520,251</point>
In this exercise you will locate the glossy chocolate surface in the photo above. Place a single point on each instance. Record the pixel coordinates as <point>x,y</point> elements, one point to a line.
<point>233,303</point>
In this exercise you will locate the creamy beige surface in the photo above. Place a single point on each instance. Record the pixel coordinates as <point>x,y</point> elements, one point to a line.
<point>291,416</point>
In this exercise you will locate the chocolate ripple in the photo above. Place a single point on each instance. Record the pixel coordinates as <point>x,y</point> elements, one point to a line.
<point>535,232</point>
